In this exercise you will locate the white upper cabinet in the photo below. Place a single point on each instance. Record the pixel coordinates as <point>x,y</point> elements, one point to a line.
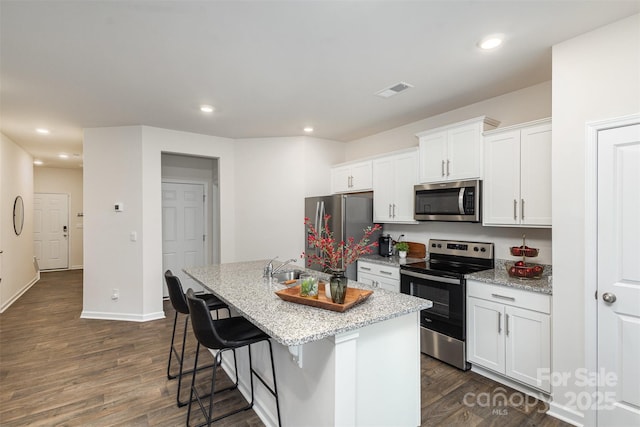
<point>393,179</point>
<point>453,152</point>
<point>351,177</point>
<point>517,175</point>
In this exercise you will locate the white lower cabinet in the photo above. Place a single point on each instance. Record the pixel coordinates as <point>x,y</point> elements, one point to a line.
<point>380,276</point>
<point>509,332</point>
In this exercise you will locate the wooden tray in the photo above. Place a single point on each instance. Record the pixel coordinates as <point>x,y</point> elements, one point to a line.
<point>354,296</point>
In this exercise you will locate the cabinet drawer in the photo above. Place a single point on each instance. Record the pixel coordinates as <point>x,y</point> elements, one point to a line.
<point>379,270</point>
<point>510,296</point>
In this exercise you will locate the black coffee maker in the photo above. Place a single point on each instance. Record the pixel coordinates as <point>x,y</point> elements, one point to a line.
<point>385,245</point>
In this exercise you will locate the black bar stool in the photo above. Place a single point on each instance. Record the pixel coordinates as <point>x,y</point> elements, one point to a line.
<point>179,302</point>
<point>224,335</point>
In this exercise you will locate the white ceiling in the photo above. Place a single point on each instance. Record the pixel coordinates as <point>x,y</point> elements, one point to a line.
<point>268,67</point>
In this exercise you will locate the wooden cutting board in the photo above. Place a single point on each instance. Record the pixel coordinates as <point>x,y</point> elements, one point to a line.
<point>417,250</point>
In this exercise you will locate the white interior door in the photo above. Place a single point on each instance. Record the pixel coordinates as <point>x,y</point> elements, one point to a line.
<point>183,236</point>
<point>619,275</point>
<point>51,230</point>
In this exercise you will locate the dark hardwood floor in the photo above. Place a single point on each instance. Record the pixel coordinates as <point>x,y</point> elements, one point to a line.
<point>58,369</point>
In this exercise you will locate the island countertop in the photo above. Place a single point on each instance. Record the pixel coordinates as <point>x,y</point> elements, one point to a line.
<point>242,286</point>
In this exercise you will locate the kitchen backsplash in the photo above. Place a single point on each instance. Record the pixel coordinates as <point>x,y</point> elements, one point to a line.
<point>502,237</point>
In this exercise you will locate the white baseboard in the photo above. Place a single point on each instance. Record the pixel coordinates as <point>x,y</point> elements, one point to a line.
<point>21,292</point>
<point>76,267</point>
<point>540,395</point>
<point>565,414</point>
<point>128,317</point>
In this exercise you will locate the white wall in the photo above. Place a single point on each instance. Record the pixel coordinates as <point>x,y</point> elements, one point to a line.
<point>595,76</point>
<point>124,165</point>
<point>17,269</point>
<point>273,176</point>
<point>65,181</point>
<point>502,237</point>
<point>512,108</point>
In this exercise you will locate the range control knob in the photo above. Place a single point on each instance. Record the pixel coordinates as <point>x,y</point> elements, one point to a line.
<point>439,245</point>
<point>483,250</point>
<point>433,245</point>
<point>475,249</point>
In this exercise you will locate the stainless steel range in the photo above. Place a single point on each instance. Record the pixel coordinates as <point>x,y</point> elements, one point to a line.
<point>440,279</point>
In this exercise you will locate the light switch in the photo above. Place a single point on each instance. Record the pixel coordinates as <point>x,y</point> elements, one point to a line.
<point>133,236</point>
<point>119,207</point>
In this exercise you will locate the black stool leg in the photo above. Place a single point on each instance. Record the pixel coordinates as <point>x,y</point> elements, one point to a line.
<point>172,348</point>
<point>274,390</point>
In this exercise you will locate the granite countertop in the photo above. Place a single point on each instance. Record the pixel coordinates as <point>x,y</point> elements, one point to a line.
<point>242,286</point>
<point>391,261</point>
<point>499,276</point>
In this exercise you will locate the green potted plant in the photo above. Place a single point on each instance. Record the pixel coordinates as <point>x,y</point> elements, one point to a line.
<point>402,248</point>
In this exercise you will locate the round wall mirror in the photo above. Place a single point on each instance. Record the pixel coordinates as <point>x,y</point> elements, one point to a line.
<point>18,215</point>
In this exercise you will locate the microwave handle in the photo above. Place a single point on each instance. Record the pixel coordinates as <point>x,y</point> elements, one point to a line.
<point>461,201</point>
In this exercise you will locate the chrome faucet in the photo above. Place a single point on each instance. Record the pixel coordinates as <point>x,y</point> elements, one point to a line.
<point>268,269</point>
<point>278,268</point>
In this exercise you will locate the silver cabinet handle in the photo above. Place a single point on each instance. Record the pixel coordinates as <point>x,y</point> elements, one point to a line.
<point>442,168</point>
<point>386,272</point>
<point>365,268</point>
<point>390,211</point>
<point>515,209</point>
<point>506,324</point>
<point>448,167</point>
<point>499,322</point>
<point>522,209</point>
<point>609,298</point>
<point>503,297</point>
<point>394,210</point>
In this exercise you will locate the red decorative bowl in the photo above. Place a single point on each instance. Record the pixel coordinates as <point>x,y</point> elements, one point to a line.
<point>526,271</point>
<point>524,251</point>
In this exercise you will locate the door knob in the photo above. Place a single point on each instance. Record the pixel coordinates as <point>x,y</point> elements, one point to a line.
<point>609,298</point>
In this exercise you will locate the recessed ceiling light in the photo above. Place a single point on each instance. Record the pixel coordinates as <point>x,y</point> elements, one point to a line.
<point>491,42</point>
<point>63,156</point>
<point>38,162</point>
<point>206,108</point>
<point>42,131</point>
<point>308,129</point>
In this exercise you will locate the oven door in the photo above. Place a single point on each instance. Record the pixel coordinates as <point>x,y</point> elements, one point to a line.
<point>447,316</point>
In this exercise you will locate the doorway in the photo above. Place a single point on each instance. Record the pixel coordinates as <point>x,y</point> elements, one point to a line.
<point>614,230</point>
<point>190,215</point>
<point>51,230</point>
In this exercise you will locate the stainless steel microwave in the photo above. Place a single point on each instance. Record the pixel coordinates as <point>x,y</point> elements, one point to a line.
<point>448,201</point>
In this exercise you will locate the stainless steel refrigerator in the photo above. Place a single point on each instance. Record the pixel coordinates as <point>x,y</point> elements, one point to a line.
<point>350,215</point>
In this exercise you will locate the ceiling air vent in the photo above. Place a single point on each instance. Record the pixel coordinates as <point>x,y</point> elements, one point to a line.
<point>393,90</point>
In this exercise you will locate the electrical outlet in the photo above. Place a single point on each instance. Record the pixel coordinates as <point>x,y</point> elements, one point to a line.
<point>115,295</point>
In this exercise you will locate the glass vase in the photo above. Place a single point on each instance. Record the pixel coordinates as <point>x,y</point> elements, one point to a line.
<point>338,284</point>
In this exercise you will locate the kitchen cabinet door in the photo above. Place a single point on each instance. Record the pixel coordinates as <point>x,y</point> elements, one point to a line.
<point>535,175</point>
<point>454,152</point>
<point>485,334</point>
<point>406,176</point>
<point>502,179</point>
<point>383,189</point>
<point>464,149</point>
<point>517,176</point>
<point>348,178</point>
<point>393,179</point>
<point>528,352</point>
<point>433,157</point>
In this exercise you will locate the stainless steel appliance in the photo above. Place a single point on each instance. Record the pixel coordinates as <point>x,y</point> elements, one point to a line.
<point>448,201</point>
<point>385,245</point>
<point>350,215</point>
<point>440,279</point>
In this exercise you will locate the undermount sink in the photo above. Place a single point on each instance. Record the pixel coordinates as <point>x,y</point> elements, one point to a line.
<point>283,276</point>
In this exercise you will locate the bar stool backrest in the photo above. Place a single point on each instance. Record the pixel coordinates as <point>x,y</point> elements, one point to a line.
<point>202,323</point>
<point>176,294</point>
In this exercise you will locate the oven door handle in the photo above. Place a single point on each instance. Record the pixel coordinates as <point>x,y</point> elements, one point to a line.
<point>430,277</point>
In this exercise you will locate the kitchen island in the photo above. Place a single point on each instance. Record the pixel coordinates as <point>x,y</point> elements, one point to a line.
<point>359,367</point>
